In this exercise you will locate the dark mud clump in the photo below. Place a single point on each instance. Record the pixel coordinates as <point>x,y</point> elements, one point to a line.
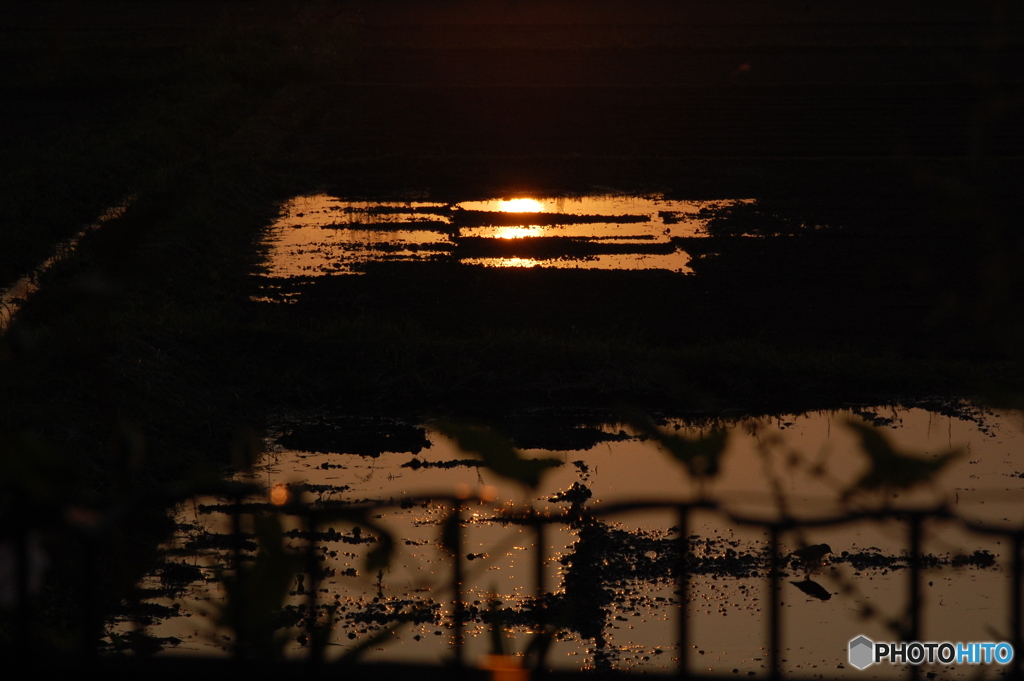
<point>147,613</point>
<point>221,542</point>
<point>583,469</point>
<point>558,432</point>
<point>576,495</point>
<point>140,643</point>
<point>417,464</point>
<point>174,574</point>
<point>352,435</point>
<point>331,534</point>
<point>873,559</point>
<point>757,219</point>
<point>321,489</point>
<point>875,419</point>
<point>979,559</point>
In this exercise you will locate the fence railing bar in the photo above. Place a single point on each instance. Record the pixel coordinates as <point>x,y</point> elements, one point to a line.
<point>313,638</point>
<point>540,555</point>
<point>914,633</point>
<point>236,561</point>
<point>1015,594</point>
<point>540,584</point>
<point>774,612</point>
<point>539,521</point>
<point>457,578</point>
<point>941,512</point>
<point>683,589</point>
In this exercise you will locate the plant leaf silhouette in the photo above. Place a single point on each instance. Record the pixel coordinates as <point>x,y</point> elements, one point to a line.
<point>497,453</point>
<point>891,468</point>
<point>380,556</point>
<point>256,595</point>
<point>450,529</point>
<point>701,456</point>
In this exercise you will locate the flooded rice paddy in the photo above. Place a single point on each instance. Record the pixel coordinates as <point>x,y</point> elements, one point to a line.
<point>324,235</point>
<point>612,580</point>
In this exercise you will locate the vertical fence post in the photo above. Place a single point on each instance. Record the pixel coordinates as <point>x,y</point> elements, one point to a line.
<point>683,589</point>
<point>915,585</point>
<point>1015,594</point>
<point>540,583</point>
<point>236,545</point>
<point>540,588</point>
<point>774,613</point>
<point>457,581</point>
<point>313,636</point>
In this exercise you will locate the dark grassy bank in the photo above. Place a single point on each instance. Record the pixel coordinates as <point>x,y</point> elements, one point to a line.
<point>900,127</point>
<point>180,107</point>
<point>108,101</point>
<point>143,354</point>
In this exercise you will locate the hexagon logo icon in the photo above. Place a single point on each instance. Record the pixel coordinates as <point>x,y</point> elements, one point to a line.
<point>862,652</point>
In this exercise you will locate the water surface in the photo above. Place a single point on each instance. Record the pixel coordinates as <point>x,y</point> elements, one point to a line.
<point>629,624</point>
<point>322,235</point>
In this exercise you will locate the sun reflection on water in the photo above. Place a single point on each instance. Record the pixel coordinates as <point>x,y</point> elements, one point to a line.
<point>518,232</point>
<point>520,206</point>
<point>504,262</point>
<point>323,236</point>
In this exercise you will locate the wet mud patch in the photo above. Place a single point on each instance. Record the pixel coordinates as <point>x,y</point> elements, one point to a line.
<point>224,542</point>
<point>951,408</point>
<point>321,490</point>
<point>563,431</point>
<point>354,435</point>
<point>553,248</point>
<point>416,464</point>
<point>576,495</point>
<point>758,218</point>
<point>174,574</point>
<point>562,285</point>
<point>331,535</point>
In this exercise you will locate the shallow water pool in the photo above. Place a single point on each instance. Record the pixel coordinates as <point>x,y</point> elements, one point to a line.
<point>615,577</point>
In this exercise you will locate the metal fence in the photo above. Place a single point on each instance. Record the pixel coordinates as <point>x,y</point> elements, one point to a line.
<point>774,625</point>
<point>315,517</point>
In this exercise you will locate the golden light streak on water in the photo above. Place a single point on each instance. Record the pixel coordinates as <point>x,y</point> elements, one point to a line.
<point>520,206</point>
<point>322,235</point>
<point>518,232</point>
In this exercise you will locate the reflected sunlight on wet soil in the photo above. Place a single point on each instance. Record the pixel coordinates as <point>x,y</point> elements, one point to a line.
<point>628,616</point>
<point>321,235</point>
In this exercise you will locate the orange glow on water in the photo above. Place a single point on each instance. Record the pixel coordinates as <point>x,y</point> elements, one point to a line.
<point>321,235</point>
<point>521,206</point>
<point>518,232</point>
<point>621,470</point>
<point>279,495</point>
